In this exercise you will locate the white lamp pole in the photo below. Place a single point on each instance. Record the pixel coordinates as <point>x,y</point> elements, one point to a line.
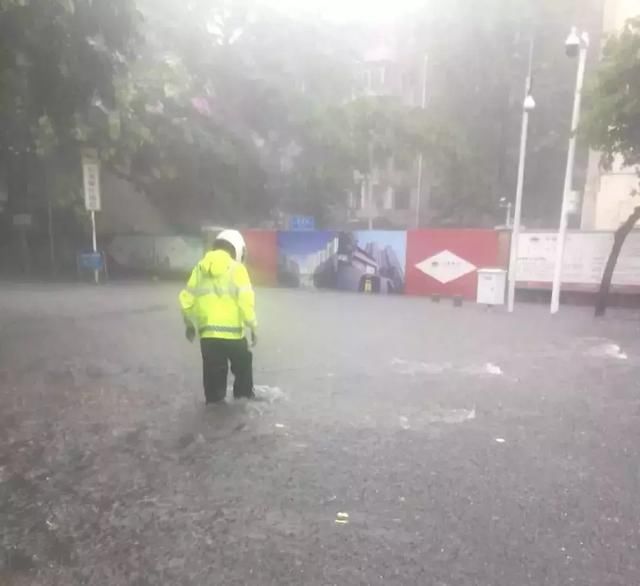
<point>423,104</point>
<point>528,107</point>
<point>575,45</point>
<point>508,219</point>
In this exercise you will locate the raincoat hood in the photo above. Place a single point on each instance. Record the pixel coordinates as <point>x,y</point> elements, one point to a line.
<point>216,263</point>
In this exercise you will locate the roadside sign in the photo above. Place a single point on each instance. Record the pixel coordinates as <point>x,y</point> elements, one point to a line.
<point>300,223</point>
<point>90,261</point>
<point>22,220</point>
<point>91,176</point>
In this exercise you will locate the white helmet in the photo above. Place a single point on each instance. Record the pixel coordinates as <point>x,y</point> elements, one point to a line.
<point>236,240</point>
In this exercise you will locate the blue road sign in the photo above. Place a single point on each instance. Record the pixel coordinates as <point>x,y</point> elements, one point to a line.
<point>91,261</point>
<point>298,223</point>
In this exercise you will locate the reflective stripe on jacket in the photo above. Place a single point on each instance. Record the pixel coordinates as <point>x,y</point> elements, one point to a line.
<point>219,300</point>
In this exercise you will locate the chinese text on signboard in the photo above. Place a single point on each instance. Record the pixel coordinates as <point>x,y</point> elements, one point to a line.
<point>91,173</point>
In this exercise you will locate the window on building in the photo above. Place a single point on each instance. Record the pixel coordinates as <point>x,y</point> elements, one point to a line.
<point>378,196</point>
<point>375,77</point>
<point>367,79</point>
<point>355,197</point>
<point>408,89</point>
<point>388,199</point>
<point>402,198</point>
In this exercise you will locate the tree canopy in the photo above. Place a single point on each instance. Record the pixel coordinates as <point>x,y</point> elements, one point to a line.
<point>612,126</point>
<point>58,59</point>
<point>226,111</point>
<point>613,120</point>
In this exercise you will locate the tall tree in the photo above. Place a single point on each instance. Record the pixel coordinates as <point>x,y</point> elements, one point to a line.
<point>254,90</point>
<point>477,55</point>
<point>57,64</point>
<point>613,126</point>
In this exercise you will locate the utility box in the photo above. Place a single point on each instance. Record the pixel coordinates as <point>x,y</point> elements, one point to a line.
<point>491,286</point>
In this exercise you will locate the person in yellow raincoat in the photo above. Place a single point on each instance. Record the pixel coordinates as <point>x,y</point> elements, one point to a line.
<point>218,306</point>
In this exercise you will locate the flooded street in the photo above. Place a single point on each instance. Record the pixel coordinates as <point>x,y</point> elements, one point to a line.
<point>398,442</point>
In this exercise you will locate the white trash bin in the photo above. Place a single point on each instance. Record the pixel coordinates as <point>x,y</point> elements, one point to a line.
<point>492,284</point>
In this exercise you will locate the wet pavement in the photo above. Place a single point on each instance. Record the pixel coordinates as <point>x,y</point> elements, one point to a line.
<point>399,442</point>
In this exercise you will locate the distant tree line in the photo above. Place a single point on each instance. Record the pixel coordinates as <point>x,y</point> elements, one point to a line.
<point>229,111</point>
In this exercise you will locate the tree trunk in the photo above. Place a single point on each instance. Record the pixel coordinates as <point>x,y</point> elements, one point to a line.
<point>52,241</point>
<point>17,189</point>
<point>48,194</point>
<point>620,236</point>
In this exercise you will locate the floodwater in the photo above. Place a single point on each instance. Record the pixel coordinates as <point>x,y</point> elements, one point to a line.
<point>399,442</point>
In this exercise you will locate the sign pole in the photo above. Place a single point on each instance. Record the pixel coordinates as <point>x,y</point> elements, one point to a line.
<point>96,274</point>
<point>92,199</point>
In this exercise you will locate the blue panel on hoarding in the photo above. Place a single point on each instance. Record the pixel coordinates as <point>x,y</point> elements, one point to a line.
<point>298,223</point>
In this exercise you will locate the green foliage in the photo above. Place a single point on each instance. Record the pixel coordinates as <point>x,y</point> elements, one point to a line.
<point>477,66</point>
<point>224,111</point>
<point>61,55</point>
<point>478,57</point>
<point>58,60</point>
<point>612,124</point>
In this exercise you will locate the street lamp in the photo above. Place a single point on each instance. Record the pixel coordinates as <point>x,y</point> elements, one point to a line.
<point>528,106</point>
<point>575,46</point>
<point>506,204</point>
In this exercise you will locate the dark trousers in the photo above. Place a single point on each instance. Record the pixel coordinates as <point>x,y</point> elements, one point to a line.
<point>216,356</point>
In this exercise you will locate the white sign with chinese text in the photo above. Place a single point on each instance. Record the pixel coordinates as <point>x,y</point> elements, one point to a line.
<point>91,176</point>
<point>585,257</point>
<point>445,267</point>
<point>23,220</point>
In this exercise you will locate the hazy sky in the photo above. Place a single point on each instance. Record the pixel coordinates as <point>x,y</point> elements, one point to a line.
<point>346,10</point>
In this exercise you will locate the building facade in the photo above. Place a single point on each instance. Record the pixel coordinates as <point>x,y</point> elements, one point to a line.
<point>389,196</point>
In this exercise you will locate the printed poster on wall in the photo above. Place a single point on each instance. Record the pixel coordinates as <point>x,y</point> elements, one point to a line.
<point>446,262</point>
<point>303,257</point>
<point>176,253</point>
<point>585,257</point>
<point>146,253</point>
<point>362,261</point>
<point>133,252</point>
<point>262,256</point>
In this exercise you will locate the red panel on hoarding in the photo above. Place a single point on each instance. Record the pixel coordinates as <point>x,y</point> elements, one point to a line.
<point>445,262</point>
<point>262,256</point>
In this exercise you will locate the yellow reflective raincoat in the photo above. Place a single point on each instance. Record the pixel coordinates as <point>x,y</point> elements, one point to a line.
<point>219,300</point>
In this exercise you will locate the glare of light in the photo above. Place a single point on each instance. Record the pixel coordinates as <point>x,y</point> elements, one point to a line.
<point>529,103</point>
<point>377,11</point>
